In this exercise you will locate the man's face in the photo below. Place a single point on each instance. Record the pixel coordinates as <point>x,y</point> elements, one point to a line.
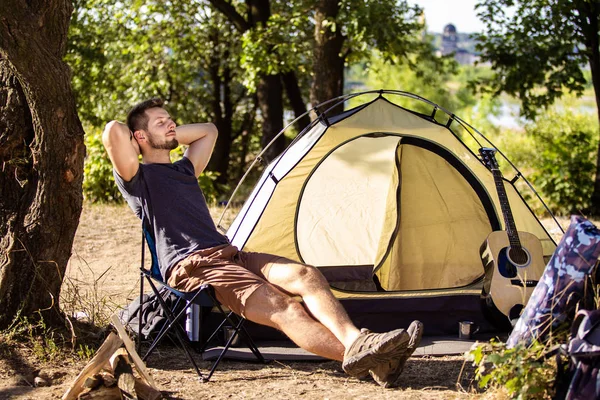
<point>161,129</point>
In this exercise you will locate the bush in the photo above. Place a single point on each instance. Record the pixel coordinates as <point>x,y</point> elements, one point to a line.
<point>557,153</point>
<point>524,372</point>
<point>564,156</point>
<point>98,181</point>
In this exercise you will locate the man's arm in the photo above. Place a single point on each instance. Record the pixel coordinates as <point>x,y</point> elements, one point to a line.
<point>122,149</point>
<point>201,138</point>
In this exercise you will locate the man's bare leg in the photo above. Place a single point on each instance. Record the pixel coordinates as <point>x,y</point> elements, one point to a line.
<point>308,283</point>
<point>269,306</point>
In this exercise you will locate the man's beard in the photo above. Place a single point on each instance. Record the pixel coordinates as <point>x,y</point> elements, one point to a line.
<point>167,145</point>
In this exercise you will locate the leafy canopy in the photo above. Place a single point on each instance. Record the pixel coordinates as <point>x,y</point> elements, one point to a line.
<point>537,48</point>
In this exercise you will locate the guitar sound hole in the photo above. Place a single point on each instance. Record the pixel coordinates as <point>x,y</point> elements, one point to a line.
<point>518,256</point>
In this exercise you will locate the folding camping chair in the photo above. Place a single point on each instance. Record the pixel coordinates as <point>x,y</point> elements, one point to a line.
<point>203,296</point>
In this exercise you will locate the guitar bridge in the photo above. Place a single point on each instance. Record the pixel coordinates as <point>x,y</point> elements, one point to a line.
<point>520,283</point>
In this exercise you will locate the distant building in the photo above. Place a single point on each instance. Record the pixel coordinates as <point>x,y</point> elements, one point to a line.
<point>458,44</point>
<point>449,40</point>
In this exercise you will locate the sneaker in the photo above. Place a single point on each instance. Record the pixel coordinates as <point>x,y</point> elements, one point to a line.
<point>387,373</point>
<point>370,349</point>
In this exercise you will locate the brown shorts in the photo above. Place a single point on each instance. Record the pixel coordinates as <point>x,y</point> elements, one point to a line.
<point>234,274</point>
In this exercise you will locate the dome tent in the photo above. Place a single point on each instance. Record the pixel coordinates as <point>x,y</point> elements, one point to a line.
<point>392,206</point>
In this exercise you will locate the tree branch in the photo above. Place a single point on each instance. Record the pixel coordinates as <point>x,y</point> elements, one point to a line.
<point>230,12</point>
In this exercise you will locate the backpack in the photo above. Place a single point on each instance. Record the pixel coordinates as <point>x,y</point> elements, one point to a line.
<point>582,377</point>
<point>153,316</point>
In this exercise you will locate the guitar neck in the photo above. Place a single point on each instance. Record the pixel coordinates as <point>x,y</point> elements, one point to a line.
<point>509,222</point>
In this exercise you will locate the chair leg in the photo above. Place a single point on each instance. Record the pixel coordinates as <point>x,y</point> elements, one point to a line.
<point>246,336</point>
<point>140,313</point>
<point>164,330</point>
<point>177,329</point>
<point>235,321</point>
<point>250,343</point>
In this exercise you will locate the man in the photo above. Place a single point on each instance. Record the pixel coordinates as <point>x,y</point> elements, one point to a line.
<point>258,286</point>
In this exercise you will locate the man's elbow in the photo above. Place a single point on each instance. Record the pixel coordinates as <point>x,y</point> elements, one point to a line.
<point>212,129</point>
<point>109,131</point>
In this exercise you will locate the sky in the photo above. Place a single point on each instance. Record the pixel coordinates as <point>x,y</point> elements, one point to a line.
<point>461,13</point>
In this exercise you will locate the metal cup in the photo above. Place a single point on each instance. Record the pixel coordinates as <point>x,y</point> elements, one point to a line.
<point>229,331</point>
<point>466,330</point>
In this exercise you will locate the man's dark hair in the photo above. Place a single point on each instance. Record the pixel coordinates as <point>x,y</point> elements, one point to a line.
<point>137,118</point>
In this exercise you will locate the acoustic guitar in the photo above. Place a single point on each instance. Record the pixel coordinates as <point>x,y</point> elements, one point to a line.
<point>513,261</point>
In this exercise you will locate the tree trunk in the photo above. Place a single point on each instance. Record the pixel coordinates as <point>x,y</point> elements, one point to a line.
<point>295,97</point>
<point>42,150</point>
<point>269,95</point>
<point>244,134</point>
<point>592,45</point>
<point>328,63</point>
<point>223,119</point>
<point>595,200</point>
<point>269,91</point>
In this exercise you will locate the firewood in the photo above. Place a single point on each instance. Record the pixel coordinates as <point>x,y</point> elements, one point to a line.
<point>123,373</point>
<point>114,358</point>
<point>146,392</point>
<point>102,393</point>
<point>110,345</point>
<point>139,364</point>
<point>108,379</point>
<point>92,382</point>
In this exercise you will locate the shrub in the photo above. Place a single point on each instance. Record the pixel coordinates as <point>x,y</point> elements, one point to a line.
<point>524,372</point>
<point>563,159</point>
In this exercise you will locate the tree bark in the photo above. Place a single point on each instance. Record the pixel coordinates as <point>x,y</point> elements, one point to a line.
<point>269,95</point>
<point>270,89</point>
<point>42,150</point>
<point>591,11</point>
<point>223,114</point>
<point>328,63</point>
<point>595,200</point>
<point>290,82</point>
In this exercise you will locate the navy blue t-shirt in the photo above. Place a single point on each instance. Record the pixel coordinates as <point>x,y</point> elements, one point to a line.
<point>175,210</point>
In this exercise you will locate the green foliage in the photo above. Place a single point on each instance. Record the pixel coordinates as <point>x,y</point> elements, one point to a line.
<point>389,26</point>
<point>282,45</point>
<point>564,159</point>
<point>286,42</point>
<point>436,84</point>
<point>125,52</point>
<point>523,371</point>
<point>41,339</point>
<point>206,180</point>
<point>85,352</point>
<point>182,51</point>
<point>556,152</point>
<point>537,50</point>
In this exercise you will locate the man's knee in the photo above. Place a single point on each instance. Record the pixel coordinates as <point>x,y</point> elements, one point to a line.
<point>310,277</point>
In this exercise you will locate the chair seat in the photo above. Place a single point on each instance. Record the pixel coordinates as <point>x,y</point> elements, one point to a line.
<point>203,296</point>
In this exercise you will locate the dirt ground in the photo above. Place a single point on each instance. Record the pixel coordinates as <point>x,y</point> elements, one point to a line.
<point>103,276</point>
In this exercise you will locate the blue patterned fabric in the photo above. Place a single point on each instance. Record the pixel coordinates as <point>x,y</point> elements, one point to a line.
<point>562,285</point>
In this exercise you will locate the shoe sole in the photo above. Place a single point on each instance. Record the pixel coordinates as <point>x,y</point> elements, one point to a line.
<point>360,364</point>
<point>416,333</point>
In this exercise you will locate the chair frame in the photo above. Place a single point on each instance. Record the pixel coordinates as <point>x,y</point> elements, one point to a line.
<point>203,296</point>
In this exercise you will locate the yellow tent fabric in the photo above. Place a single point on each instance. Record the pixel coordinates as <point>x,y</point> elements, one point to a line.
<point>382,187</point>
